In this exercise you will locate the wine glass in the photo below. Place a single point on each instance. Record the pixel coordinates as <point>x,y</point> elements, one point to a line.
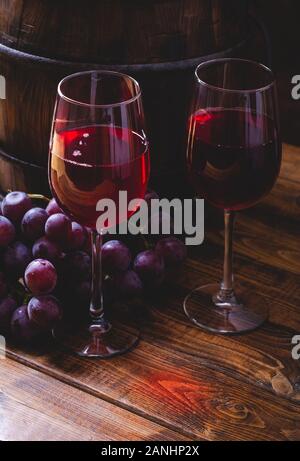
<point>98,148</point>
<point>233,160</point>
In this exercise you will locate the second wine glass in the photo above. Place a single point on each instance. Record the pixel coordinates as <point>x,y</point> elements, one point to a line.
<point>98,148</point>
<point>233,158</point>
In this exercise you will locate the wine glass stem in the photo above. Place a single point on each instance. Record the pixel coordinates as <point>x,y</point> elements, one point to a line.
<point>96,305</point>
<point>227,290</point>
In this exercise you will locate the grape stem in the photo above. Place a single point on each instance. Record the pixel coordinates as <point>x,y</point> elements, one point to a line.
<point>39,197</point>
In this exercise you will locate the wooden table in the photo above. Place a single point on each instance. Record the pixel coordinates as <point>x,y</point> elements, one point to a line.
<point>182,383</point>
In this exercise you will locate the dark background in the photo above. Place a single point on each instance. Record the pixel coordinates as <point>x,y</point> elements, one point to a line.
<point>282,19</point>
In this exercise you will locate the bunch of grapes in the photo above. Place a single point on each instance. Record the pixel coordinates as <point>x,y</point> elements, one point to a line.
<point>45,267</point>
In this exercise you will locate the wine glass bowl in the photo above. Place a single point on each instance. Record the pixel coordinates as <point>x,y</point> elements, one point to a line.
<point>231,168</point>
<point>98,144</point>
<point>98,148</point>
<point>233,161</point>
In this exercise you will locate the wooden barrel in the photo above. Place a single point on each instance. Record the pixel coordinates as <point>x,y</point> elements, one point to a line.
<point>123,32</point>
<point>158,42</point>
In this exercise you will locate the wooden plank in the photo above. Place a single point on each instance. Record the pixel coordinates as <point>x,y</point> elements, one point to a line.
<point>35,407</point>
<point>262,242</point>
<point>210,386</point>
<point>262,358</point>
<point>281,288</point>
<point>177,389</point>
<point>290,166</point>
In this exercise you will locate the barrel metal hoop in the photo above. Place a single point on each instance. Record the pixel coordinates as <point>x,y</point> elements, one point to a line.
<point>184,64</point>
<point>23,163</point>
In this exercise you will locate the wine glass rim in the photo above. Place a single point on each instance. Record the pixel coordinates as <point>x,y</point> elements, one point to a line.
<point>231,90</point>
<point>85,104</point>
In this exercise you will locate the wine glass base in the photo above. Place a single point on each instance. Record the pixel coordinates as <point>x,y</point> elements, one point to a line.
<point>246,311</point>
<point>86,341</point>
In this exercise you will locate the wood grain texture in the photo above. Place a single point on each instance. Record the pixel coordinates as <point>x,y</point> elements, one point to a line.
<point>37,407</point>
<point>122,32</point>
<point>201,385</point>
<point>159,42</point>
<point>31,87</point>
<point>177,390</point>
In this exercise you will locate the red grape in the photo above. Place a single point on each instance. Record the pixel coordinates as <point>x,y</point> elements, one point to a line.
<point>33,223</point>
<point>82,292</point>
<point>128,284</point>
<point>15,205</point>
<point>75,297</point>
<point>40,277</point>
<point>116,256</point>
<point>16,258</point>
<point>7,307</point>
<point>45,310</point>
<point>53,207</point>
<point>58,228</point>
<point>150,267</point>
<point>3,286</point>
<point>7,232</point>
<point>78,237</point>
<point>23,329</point>
<point>109,290</point>
<point>172,250</point>
<point>87,248</point>
<point>46,249</point>
<point>76,266</point>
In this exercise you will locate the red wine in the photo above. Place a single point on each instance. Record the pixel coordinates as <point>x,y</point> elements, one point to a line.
<point>96,162</point>
<point>234,156</point>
